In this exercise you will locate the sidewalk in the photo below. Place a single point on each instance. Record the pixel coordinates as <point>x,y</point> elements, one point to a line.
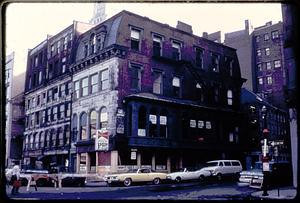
<point>284,193</point>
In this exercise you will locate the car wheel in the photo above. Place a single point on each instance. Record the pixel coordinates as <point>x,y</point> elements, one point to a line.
<point>178,179</point>
<point>127,182</point>
<point>156,181</point>
<point>219,176</point>
<point>201,178</point>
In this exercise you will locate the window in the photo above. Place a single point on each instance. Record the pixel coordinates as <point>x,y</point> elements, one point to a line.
<point>216,94</point>
<point>153,123</point>
<point>65,43</point>
<point>69,88</point>
<point>227,163</point>
<point>259,67</point>
<point>93,121</point>
<point>229,97</point>
<point>135,77</point>
<point>62,90</point>
<point>40,77</point>
<point>49,95</point>
<point>86,50</point>
<point>60,137</point>
<point>176,86</point>
<point>74,128</point>
<point>67,137</point>
<point>277,64</point>
<point>135,39</point>
<point>157,45</point>
<point>176,52</point>
<point>260,81</point>
<point>83,129</point>
<point>104,79</point>
<point>36,61</point>
<point>54,113</point>
<point>31,141</point>
<point>49,115</point>
<point>63,69</point>
<point>268,65</point>
<point>100,42</point>
<point>103,118</point>
<point>68,109</point>
<point>275,34</point>
<point>58,47</point>
<point>42,140</point>
<point>266,37</point>
<point>53,138</point>
<point>27,142</point>
<point>84,86</point>
<point>269,80</point>
<point>157,83</point>
<point>62,111</point>
<point>43,116</point>
<point>199,58</point>
<point>193,123</point>
<point>267,51</point>
<point>50,72</point>
<point>47,143</point>
<point>94,83</point>
<point>163,126</point>
<point>208,125</point>
<point>231,65</point>
<point>142,122</point>
<point>76,89</point>
<point>215,62</point>
<point>93,43</point>
<point>55,93</point>
<point>258,52</point>
<point>29,83</point>
<point>37,118</point>
<point>257,39</point>
<point>52,50</point>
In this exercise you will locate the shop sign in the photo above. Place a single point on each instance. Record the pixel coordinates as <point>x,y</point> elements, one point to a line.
<point>208,125</point>
<point>163,120</point>
<point>200,124</point>
<point>102,141</point>
<point>133,155</point>
<point>153,119</point>
<point>266,166</point>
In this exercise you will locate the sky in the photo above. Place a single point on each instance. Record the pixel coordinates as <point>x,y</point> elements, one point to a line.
<point>27,24</point>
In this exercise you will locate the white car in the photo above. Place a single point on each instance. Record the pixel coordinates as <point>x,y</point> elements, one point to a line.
<point>188,174</point>
<point>221,168</point>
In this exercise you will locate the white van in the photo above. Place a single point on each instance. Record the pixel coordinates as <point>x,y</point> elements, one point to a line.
<point>220,168</point>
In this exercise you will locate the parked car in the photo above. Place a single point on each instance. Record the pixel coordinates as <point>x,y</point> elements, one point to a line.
<point>221,168</point>
<point>280,174</point>
<point>188,174</point>
<point>139,175</point>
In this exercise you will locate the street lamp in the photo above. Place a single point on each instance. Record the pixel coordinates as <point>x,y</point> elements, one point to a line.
<point>265,157</point>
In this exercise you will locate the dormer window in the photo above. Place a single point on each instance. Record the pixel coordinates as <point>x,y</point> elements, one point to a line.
<point>135,36</point>
<point>93,43</point>
<point>176,50</point>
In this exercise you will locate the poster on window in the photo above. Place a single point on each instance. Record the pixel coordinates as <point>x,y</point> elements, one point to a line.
<point>152,119</point>
<point>120,122</point>
<point>192,123</point>
<point>102,141</point>
<point>163,120</point>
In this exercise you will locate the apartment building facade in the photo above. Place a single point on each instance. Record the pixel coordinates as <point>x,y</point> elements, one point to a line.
<point>147,94</point>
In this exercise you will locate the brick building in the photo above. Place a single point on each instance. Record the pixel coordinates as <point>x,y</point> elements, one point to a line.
<point>48,100</point>
<point>148,94</point>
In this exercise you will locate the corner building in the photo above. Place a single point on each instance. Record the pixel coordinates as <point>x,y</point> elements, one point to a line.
<point>165,97</point>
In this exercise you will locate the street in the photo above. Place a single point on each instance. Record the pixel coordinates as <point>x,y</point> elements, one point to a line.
<point>226,190</point>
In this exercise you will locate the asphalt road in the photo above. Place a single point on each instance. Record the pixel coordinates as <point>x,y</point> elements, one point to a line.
<point>226,190</point>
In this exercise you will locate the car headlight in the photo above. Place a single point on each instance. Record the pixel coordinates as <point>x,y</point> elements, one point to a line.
<point>169,177</point>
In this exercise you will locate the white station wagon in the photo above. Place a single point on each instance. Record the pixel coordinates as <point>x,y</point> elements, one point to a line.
<point>188,174</point>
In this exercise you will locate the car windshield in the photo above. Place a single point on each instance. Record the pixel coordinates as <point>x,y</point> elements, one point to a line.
<point>209,164</point>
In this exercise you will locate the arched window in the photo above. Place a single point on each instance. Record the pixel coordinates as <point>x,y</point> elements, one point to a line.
<point>83,119</point>
<point>93,117</point>
<point>67,137</point>
<point>60,136</point>
<point>31,141</point>
<point>42,140</point>
<point>163,124</point>
<point>103,118</point>
<point>37,140</point>
<point>153,123</point>
<point>74,128</point>
<point>229,97</point>
<point>93,43</point>
<point>48,138</point>
<point>142,122</point>
<point>53,138</point>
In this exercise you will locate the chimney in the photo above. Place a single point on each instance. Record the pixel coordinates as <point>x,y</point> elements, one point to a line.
<point>205,35</point>
<point>184,27</point>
